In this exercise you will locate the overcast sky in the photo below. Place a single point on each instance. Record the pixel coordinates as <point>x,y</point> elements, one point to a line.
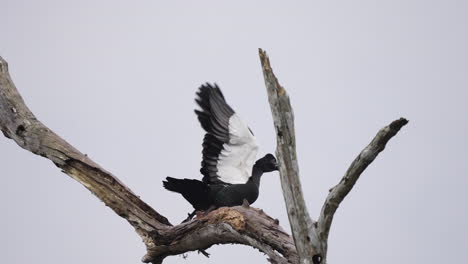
<point>117,80</point>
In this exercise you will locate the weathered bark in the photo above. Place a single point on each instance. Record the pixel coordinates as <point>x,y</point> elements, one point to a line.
<point>19,123</point>
<point>240,224</point>
<point>311,237</point>
<point>339,192</point>
<point>305,236</point>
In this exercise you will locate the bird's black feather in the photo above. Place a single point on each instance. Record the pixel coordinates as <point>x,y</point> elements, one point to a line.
<point>214,118</point>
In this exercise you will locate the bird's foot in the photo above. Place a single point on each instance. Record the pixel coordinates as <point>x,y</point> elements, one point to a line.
<point>189,217</point>
<point>202,251</point>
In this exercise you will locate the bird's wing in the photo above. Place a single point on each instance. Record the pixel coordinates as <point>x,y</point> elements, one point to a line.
<point>229,147</point>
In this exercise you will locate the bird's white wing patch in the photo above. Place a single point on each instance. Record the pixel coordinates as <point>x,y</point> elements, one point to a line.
<point>237,158</point>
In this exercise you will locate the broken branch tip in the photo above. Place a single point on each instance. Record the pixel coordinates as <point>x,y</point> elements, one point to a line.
<point>399,123</point>
<point>3,65</point>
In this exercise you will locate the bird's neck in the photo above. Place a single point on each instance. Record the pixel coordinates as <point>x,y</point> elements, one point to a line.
<point>257,173</point>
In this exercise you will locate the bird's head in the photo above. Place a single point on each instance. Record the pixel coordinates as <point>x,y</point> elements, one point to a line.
<point>268,163</point>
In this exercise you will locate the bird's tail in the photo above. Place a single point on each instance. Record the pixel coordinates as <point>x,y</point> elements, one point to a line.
<point>195,192</point>
<point>175,185</point>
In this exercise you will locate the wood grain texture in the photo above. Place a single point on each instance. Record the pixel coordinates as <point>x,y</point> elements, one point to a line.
<point>302,226</point>
<point>19,123</point>
<point>241,225</point>
<point>339,192</point>
<point>311,237</point>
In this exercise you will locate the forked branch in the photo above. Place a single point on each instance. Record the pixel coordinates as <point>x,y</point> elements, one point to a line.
<point>310,237</point>
<point>240,224</point>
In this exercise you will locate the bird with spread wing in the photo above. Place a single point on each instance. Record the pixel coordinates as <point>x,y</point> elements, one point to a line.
<point>230,172</point>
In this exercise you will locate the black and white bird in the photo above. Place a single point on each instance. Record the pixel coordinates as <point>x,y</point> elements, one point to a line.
<point>230,171</point>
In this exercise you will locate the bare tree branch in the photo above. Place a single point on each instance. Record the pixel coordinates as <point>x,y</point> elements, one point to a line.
<point>311,238</point>
<point>240,225</point>
<point>302,226</point>
<point>248,226</point>
<point>19,123</point>
<point>339,192</point>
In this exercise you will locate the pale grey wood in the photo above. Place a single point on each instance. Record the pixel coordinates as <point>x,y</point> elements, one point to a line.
<point>339,192</point>
<point>19,123</point>
<point>241,225</point>
<point>303,228</point>
<point>310,237</point>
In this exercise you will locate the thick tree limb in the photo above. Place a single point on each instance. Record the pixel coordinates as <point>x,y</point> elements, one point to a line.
<point>248,226</point>
<point>19,123</point>
<point>241,225</point>
<point>339,192</point>
<point>311,238</point>
<point>303,229</point>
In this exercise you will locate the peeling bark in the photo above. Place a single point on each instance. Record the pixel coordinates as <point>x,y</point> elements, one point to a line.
<point>248,226</point>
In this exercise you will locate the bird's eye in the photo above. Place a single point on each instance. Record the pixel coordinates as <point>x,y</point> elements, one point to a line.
<point>317,259</point>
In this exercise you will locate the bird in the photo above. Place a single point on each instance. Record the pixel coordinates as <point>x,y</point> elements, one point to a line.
<point>231,176</point>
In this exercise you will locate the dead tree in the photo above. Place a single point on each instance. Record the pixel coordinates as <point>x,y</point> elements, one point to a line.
<point>240,224</point>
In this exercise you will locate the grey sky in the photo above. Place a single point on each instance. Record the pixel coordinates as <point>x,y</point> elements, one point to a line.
<point>117,79</point>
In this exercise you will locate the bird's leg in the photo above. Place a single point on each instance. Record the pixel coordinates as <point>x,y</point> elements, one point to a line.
<point>206,212</point>
<point>190,216</point>
<point>206,254</point>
